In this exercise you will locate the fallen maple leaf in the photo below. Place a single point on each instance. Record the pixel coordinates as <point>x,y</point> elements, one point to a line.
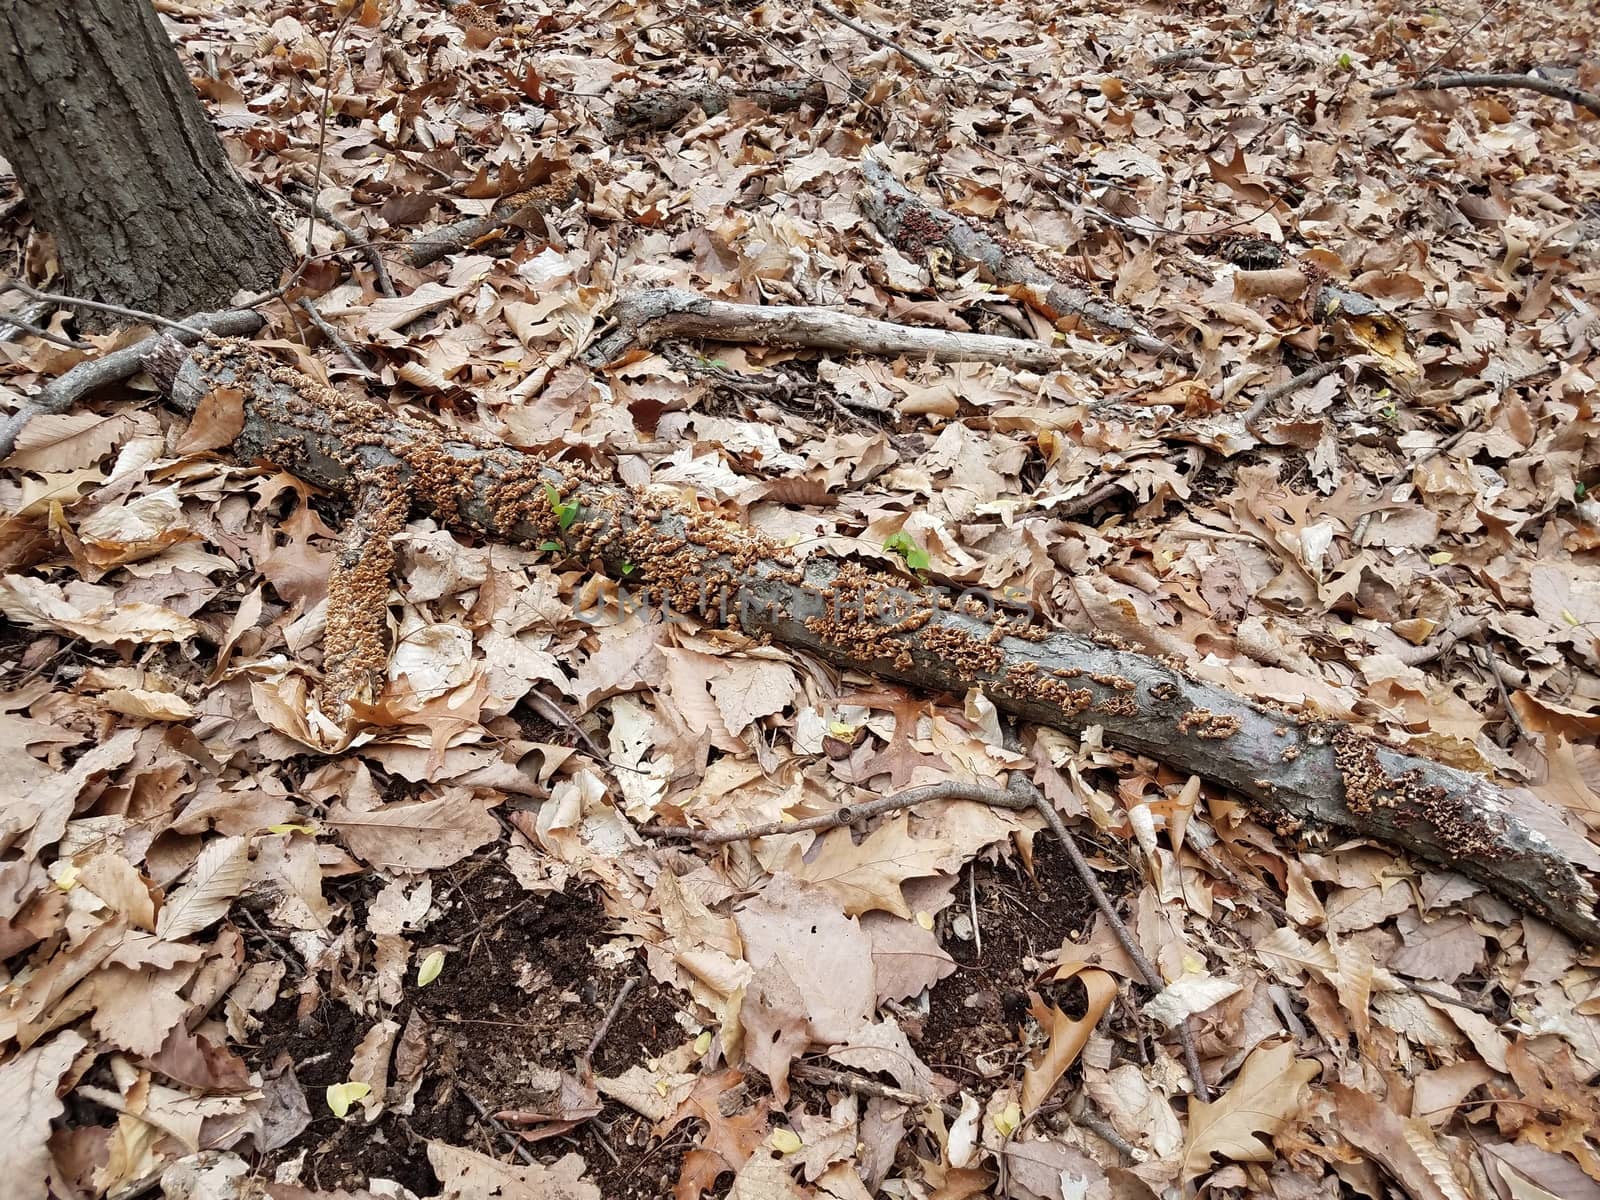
<point>1263,1099</point>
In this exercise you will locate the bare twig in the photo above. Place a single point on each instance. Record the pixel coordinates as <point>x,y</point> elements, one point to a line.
<point>1091,499</point>
<point>117,310</point>
<point>1021,785</point>
<point>915,57</point>
<point>430,247</point>
<point>848,814</point>
<point>859,1084</point>
<point>1529,83</point>
<point>1273,394</point>
<point>1477,1006</point>
<point>610,1019</point>
<point>333,335</point>
<point>24,319</point>
<point>352,237</point>
<point>489,1119</point>
<point>15,325</point>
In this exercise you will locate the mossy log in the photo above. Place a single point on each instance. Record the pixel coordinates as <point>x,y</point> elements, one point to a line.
<point>1302,774</point>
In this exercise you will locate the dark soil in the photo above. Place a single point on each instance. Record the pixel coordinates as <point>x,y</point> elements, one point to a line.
<point>971,1033</point>
<point>521,994</point>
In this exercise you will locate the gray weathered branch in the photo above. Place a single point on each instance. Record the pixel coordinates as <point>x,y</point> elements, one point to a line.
<point>1528,83</point>
<point>645,317</point>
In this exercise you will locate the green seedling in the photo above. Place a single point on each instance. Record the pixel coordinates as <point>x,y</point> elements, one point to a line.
<point>913,555</point>
<point>566,510</point>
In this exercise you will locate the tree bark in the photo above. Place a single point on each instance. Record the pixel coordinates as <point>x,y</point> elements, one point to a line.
<point>120,164</point>
<point>1302,774</point>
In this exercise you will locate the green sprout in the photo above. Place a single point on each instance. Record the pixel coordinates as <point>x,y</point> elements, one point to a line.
<point>913,555</point>
<point>566,510</point>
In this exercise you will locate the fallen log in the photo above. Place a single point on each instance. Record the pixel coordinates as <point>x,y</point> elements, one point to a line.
<point>914,227</point>
<point>664,108</point>
<point>1303,774</point>
<point>645,317</point>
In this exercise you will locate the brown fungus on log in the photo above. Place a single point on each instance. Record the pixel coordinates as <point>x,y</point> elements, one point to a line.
<point>1509,841</point>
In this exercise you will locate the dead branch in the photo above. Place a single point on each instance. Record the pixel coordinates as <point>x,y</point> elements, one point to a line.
<point>645,317</point>
<point>846,814</point>
<point>61,394</point>
<point>374,257</point>
<point>664,108</point>
<point>914,227</point>
<point>915,57</point>
<point>1527,83</point>
<point>1289,387</point>
<point>1300,773</point>
<point>520,211</point>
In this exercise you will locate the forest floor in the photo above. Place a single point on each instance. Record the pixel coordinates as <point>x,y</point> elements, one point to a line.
<point>246,951</point>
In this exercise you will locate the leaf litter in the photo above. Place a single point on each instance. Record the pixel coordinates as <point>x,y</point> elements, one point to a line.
<point>220,910</point>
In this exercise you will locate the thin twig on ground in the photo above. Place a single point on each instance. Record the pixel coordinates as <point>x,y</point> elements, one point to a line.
<point>1529,83</point>
<point>307,306</point>
<point>848,814</point>
<point>1021,785</point>
<point>610,1019</point>
<point>488,1118</point>
<point>918,59</point>
<point>27,319</point>
<point>353,239</point>
<point>1273,394</point>
<point>116,310</point>
<point>647,316</point>
<point>15,325</point>
<point>859,1084</point>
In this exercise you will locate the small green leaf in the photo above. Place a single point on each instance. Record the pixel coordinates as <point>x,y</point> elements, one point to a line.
<point>1346,63</point>
<point>430,968</point>
<point>342,1095</point>
<point>1579,491</point>
<point>627,567</point>
<point>913,555</point>
<point>552,547</point>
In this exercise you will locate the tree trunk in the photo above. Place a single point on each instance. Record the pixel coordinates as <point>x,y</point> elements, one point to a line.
<point>119,162</point>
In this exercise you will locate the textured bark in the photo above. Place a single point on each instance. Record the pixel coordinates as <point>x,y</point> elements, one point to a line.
<point>120,164</point>
<point>1309,776</point>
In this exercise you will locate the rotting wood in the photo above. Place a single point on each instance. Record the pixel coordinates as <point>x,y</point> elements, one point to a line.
<point>1529,83</point>
<point>914,227</point>
<point>1302,774</point>
<point>662,109</point>
<point>645,317</point>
